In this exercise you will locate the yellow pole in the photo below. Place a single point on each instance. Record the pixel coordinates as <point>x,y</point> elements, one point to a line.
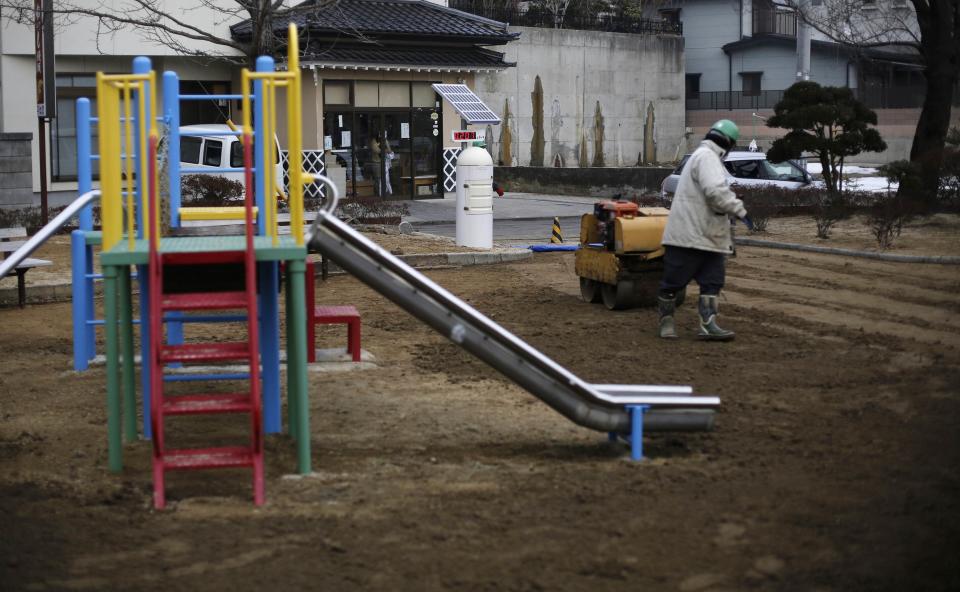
<point>297,176</point>
<point>142,178</point>
<point>108,117</point>
<point>128,164</point>
<point>269,129</point>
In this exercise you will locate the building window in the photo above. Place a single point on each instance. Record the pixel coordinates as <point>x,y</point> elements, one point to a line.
<point>671,15</point>
<point>751,83</point>
<point>63,129</point>
<point>212,111</point>
<point>693,86</point>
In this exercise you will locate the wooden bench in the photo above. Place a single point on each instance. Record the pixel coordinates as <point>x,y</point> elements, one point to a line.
<point>317,315</point>
<point>9,242</point>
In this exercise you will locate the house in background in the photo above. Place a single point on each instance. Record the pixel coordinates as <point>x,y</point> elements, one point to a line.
<point>742,54</point>
<point>370,62</point>
<point>80,53</point>
<point>368,103</point>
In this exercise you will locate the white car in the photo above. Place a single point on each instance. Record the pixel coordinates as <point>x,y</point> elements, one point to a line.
<point>216,151</point>
<point>746,169</point>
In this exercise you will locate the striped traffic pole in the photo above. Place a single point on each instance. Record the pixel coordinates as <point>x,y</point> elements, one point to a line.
<point>556,237</point>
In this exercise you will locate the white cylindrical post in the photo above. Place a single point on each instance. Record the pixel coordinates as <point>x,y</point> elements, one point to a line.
<point>475,199</point>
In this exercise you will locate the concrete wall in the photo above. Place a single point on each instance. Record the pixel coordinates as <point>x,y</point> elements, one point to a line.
<point>625,75</point>
<point>592,182</point>
<point>896,127</point>
<point>16,168</point>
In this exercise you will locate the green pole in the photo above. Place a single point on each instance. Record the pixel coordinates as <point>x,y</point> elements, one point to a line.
<point>114,442</point>
<point>126,352</point>
<point>297,360</point>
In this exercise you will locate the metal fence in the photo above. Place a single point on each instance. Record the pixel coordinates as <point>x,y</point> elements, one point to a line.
<point>874,98</point>
<point>533,16</point>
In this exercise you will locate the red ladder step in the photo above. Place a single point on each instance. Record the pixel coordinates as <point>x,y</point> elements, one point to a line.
<point>205,352</point>
<point>207,404</point>
<point>204,301</point>
<point>207,458</point>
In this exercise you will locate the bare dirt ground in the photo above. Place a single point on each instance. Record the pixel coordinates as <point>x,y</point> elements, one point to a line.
<point>833,466</point>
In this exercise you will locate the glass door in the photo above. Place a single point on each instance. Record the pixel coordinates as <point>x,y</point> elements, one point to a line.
<point>368,161</point>
<point>425,153</point>
<point>395,155</point>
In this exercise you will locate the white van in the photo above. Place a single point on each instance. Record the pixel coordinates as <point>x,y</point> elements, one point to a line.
<point>217,151</point>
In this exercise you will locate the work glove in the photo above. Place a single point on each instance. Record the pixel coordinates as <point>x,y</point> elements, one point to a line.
<point>747,222</point>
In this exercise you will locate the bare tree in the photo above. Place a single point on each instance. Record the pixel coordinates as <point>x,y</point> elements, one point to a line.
<point>176,28</point>
<point>931,28</point>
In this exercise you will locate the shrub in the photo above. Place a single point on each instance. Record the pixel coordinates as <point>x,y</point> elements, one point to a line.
<point>210,190</point>
<point>764,202</point>
<point>30,218</point>
<point>371,210</point>
<point>827,210</point>
<point>888,215</point>
<point>948,190</point>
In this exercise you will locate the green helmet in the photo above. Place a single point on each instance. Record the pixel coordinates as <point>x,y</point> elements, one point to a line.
<point>727,128</point>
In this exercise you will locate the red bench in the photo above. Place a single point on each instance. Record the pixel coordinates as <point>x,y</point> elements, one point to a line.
<point>327,315</point>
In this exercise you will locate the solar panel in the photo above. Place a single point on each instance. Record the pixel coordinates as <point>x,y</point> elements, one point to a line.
<point>467,104</point>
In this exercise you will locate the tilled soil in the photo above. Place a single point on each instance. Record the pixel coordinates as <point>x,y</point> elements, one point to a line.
<point>833,466</point>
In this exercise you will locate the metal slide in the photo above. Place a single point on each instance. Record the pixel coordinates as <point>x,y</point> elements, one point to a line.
<point>599,407</point>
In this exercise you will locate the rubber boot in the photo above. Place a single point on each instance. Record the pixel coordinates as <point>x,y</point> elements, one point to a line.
<point>667,307</point>
<point>709,330</point>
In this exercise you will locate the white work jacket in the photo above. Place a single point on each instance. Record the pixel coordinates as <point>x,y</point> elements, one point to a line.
<point>703,200</point>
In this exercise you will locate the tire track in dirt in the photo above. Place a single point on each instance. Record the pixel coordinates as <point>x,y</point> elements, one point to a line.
<point>849,318</point>
<point>926,289</point>
<point>847,302</point>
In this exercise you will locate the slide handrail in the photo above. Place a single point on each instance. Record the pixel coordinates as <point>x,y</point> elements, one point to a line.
<point>8,264</point>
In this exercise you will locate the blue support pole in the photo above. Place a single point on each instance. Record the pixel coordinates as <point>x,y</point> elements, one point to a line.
<point>263,64</point>
<point>171,115</point>
<point>83,263</point>
<point>270,344</point>
<point>141,65</point>
<point>78,252</point>
<point>268,272</point>
<point>636,430</point>
<point>91,312</point>
<point>84,170</point>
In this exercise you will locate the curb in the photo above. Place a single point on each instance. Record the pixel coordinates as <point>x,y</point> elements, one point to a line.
<point>938,259</point>
<point>48,293</point>
<point>416,224</point>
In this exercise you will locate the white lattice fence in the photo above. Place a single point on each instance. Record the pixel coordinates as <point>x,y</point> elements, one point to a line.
<point>450,168</point>
<point>312,163</point>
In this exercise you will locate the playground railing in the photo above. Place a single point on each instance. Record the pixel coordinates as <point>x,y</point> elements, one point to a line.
<point>47,231</point>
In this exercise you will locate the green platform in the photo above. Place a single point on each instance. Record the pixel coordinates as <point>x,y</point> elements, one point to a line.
<point>286,248</point>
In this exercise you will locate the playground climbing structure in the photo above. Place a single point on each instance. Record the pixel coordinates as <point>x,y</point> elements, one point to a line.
<point>194,279</point>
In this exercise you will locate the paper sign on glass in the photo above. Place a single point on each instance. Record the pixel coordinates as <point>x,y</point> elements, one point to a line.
<point>344,139</point>
<point>404,131</point>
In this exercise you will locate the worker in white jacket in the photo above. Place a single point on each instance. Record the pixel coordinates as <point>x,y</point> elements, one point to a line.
<point>697,237</point>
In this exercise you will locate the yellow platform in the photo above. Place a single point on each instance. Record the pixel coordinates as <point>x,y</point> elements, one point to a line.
<point>215,213</point>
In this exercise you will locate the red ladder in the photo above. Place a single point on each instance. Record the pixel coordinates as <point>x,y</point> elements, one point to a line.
<point>161,354</point>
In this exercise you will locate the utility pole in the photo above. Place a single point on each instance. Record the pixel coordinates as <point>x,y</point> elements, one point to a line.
<point>46,89</point>
<point>803,43</point>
